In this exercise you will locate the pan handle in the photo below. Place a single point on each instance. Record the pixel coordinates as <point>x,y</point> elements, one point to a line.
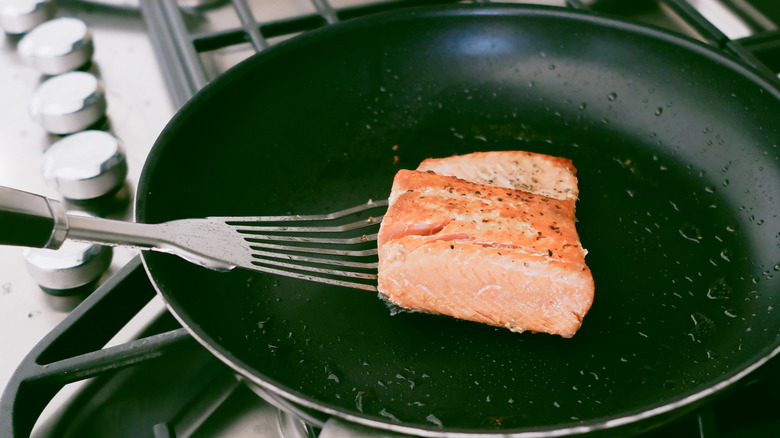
<point>27,219</point>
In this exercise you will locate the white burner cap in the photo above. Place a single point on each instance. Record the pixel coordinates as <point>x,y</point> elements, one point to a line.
<point>21,16</point>
<point>69,102</point>
<point>85,165</point>
<point>73,266</point>
<point>57,46</point>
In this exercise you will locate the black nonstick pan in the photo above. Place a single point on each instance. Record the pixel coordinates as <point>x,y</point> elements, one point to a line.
<point>676,148</point>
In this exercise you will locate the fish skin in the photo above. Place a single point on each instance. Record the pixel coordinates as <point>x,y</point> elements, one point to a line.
<point>496,255</point>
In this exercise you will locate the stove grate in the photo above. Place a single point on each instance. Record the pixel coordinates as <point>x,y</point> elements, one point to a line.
<point>181,48</point>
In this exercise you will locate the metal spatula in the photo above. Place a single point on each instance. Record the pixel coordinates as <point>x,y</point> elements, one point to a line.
<point>330,248</point>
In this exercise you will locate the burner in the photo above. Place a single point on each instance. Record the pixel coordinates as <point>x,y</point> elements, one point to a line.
<point>163,385</point>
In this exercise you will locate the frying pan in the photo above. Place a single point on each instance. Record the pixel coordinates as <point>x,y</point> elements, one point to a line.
<point>676,148</point>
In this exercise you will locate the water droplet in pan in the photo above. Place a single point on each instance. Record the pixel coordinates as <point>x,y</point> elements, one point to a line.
<point>691,232</point>
<point>720,289</point>
<point>359,401</point>
<point>433,419</point>
<point>385,413</point>
<point>703,327</point>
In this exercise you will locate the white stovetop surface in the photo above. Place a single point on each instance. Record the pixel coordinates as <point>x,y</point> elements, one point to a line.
<point>138,109</point>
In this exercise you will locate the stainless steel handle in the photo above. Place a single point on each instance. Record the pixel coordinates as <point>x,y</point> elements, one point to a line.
<point>27,219</point>
<point>117,233</point>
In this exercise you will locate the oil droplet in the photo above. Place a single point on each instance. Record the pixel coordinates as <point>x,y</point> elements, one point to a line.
<point>703,327</point>
<point>691,232</point>
<point>359,401</point>
<point>612,96</point>
<point>720,290</point>
<point>659,111</point>
<point>433,419</point>
<point>777,267</point>
<point>387,414</point>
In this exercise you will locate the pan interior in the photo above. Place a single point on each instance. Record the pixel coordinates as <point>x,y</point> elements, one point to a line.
<point>676,151</point>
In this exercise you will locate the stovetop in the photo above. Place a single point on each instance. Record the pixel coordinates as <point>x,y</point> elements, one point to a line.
<point>139,106</point>
<point>154,56</point>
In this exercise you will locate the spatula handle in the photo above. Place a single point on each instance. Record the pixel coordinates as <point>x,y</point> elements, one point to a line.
<point>27,219</point>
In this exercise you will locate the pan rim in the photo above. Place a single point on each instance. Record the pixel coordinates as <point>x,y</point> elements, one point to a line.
<point>610,422</point>
<point>597,424</point>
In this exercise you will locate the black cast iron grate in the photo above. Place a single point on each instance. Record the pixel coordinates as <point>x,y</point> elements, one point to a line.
<point>179,50</point>
<point>181,47</point>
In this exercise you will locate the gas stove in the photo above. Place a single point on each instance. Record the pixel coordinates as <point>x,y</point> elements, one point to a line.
<point>115,351</point>
<point>138,107</point>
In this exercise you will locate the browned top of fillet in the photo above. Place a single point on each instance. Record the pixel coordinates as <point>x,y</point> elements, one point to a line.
<point>554,177</point>
<point>449,208</point>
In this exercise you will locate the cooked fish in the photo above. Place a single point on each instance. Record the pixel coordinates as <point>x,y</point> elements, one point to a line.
<point>487,253</point>
<point>554,177</point>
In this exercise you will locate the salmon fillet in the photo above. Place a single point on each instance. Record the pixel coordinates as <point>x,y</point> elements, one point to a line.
<point>554,177</point>
<point>487,253</point>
